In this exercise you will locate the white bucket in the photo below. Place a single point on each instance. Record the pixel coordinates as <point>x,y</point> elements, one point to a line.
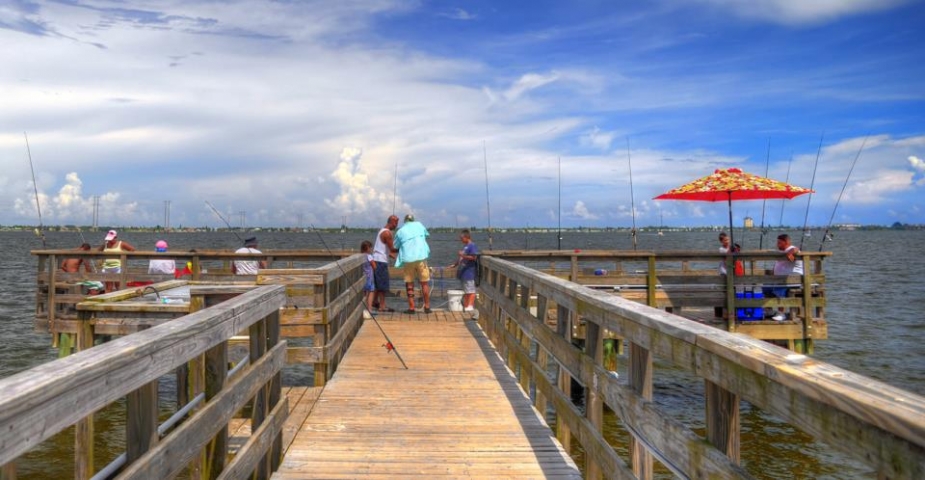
<point>455,300</point>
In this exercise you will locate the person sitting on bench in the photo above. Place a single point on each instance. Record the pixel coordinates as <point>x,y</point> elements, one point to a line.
<point>786,266</point>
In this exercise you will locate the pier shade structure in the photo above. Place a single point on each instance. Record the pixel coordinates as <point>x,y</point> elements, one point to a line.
<point>477,395</point>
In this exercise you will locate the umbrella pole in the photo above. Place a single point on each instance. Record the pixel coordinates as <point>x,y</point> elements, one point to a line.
<point>732,241</point>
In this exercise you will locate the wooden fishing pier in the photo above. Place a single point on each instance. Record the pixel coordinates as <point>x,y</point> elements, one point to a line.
<point>476,398</point>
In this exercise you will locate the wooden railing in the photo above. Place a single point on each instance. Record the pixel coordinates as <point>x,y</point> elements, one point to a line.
<point>323,305</point>
<point>38,403</point>
<point>875,423</point>
<point>680,280</point>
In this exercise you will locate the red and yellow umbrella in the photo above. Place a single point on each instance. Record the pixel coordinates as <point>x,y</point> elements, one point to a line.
<point>733,184</point>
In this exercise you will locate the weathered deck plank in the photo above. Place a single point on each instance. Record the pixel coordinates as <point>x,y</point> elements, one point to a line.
<point>457,410</point>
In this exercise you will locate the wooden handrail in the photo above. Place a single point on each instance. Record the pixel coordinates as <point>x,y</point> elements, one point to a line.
<point>878,424</point>
<point>40,402</point>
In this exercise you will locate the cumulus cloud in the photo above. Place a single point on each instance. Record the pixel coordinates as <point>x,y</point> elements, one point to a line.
<point>581,211</point>
<point>917,163</point>
<point>879,187</point>
<point>356,197</point>
<point>69,204</point>
<point>799,12</point>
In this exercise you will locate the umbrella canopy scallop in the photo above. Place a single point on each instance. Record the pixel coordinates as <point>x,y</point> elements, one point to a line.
<point>733,184</point>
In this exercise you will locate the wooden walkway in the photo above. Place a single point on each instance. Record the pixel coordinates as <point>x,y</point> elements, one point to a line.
<point>456,412</point>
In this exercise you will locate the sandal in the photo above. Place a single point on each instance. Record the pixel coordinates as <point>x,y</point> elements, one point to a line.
<point>386,310</point>
<point>410,311</point>
<point>426,309</point>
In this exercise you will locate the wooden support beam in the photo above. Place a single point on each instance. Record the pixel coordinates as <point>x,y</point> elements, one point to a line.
<point>216,371</point>
<point>640,373</point>
<point>141,422</point>
<point>594,405</point>
<point>564,330</point>
<point>722,420</point>
<point>83,429</point>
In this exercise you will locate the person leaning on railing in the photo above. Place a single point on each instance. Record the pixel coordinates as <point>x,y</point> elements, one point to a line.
<point>789,265</point>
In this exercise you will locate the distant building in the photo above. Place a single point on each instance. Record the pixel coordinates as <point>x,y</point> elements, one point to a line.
<point>749,222</point>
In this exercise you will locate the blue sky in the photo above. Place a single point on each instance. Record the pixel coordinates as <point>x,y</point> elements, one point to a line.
<point>296,111</point>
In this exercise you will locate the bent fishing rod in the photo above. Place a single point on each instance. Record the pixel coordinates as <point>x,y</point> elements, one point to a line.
<point>389,346</point>
<point>632,195</point>
<point>843,187</point>
<point>811,185</point>
<point>226,222</point>
<point>38,206</point>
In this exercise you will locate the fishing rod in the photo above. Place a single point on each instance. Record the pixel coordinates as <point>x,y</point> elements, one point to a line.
<point>855,162</point>
<point>780,221</point>
<point>811,184</point>
<point>38,206</point>
<point>632,195</point>
<point>764,201</point>
<point>559,216</point>
<point>487,197</point>
<point>226,222</point>
<point>389,346</point>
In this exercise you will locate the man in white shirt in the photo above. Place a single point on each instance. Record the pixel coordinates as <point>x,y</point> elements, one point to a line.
<point>248,267</point>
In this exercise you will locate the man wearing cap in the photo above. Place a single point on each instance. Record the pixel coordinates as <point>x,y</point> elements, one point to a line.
<point>114,265</point>
<point>413,251</point>
<point>160,265</point>
<point>383,249</point>
<point>248,267</point>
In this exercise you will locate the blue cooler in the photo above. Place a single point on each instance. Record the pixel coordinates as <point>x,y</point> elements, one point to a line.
<point>750,314</point>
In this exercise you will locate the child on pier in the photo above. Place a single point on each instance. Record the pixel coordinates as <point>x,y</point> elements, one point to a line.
<point>369,288</point>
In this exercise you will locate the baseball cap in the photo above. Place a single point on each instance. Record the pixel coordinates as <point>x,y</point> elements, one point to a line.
<point>110,235</point>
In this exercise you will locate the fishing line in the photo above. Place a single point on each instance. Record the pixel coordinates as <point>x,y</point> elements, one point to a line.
<point>226,222</point>
<point>629,160</point>
<point>389,346</point>
<point>35,187</point>
<point>764,201</point>
<point>780,221</point>
<point>811,184</point>
<point>559,216</point>
<point>843,187</point>
<point>487,197</point>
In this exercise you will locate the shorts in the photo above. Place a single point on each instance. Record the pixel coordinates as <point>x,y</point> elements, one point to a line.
<point>468,286</point>
<point>775,292</point>
<point>369,286</point>
<point>416,269</point>
<point>381,277</point>
<point>112,270</point>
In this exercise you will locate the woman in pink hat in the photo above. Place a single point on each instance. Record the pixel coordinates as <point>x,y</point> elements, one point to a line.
<point>162,266</point>
<point>114,265</point>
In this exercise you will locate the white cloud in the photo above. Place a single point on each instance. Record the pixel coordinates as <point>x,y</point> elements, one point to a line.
<point>879,187</point>
<point>580,210</point>
<point>917,163</point>
<point>528,82</point>
<point>598,139</point>
<point>69,204</point>
<point>458,14</point>
<point>799,12</point>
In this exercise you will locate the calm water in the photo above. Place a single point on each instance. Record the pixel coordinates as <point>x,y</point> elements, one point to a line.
<point>876,301</point>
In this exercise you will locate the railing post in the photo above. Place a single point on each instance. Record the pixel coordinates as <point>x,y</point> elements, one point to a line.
<point>564,329</point>
<point>640,379</point>
<point>594,406</point>
<point>141,421</point>
<point>276,385</point>
<point>83,429</point>
<point>651,283</point>
<point>216,370</point>
<point>8,471</point>
<point>542,357</point>
<point>52,291</point>
<point>722,419</point>
<point>573,271</point>
<point>730,294</point>
<point>259,411</point>
<point>808,312</point>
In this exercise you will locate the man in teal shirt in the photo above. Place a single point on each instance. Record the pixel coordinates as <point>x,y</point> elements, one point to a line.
<point>413,251</point>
